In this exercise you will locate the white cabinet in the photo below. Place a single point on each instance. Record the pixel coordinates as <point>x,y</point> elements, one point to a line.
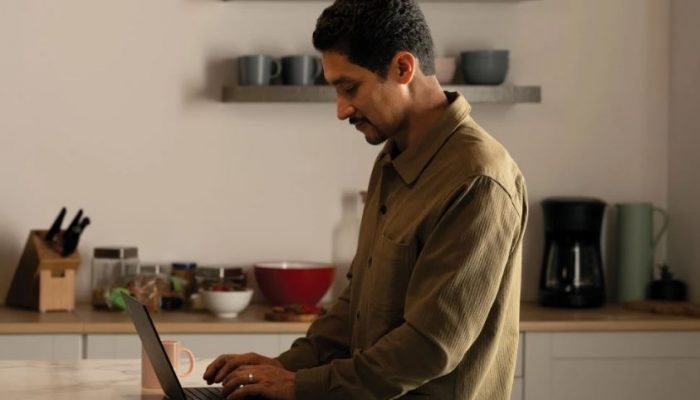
<point>286,340</point>
<point>517,391</point>
<point>204,346</point>
<point>52,347</point>
<point>550,366</point>
<point>612,366</point>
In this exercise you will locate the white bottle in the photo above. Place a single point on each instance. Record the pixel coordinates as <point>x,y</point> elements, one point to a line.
<point>345,236</point>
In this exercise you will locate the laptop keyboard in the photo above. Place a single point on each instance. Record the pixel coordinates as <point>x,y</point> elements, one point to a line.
<point>203,393</point>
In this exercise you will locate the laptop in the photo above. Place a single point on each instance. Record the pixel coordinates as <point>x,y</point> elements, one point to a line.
<point>159,358</point>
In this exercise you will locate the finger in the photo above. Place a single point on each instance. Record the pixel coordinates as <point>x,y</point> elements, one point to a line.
<point>227,369</point>
<point>213,367</point>
<point>233,363</point>
<point>247,390</point>
<point>232,383</point>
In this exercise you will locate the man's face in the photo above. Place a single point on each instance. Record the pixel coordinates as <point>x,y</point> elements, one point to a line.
<point>372,104</point>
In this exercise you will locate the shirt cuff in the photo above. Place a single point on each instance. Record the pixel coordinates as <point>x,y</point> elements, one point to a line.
<point>296,359</point>
<point>312,383</point>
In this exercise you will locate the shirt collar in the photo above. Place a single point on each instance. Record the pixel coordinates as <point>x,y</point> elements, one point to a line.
<point>412,161</point>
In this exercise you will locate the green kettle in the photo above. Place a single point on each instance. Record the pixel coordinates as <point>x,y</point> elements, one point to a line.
<point>637,241</point>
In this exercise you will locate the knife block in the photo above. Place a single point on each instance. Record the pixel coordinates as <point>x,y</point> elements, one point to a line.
<point>44,280</point>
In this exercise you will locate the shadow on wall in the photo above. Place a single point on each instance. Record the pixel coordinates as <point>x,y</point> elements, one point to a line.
<point>10,251</point>
<point>217,74</point>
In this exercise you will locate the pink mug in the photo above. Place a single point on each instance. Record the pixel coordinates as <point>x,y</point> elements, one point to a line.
<point>173,348</point>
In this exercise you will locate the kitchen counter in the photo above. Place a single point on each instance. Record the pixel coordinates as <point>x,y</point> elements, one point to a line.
<point>84,379</point>
<point>85,320</point>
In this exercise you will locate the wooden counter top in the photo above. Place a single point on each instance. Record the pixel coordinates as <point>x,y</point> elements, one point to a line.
<point>532,319</point>
<point>86,320</point>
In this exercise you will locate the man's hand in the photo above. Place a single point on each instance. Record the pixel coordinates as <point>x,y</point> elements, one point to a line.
<point>259,380</point>
<point>219,369</point>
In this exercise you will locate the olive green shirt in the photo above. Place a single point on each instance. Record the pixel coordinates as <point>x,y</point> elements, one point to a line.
<point>432,305</point>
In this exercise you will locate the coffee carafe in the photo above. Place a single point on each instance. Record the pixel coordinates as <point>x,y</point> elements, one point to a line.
<point>572,268</point>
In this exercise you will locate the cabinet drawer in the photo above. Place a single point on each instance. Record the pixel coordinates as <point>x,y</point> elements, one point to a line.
<point>54,347</point>
<point>519,362</point>
<point>517,392</point>
<point>626,344</point>
<point>203,346</point>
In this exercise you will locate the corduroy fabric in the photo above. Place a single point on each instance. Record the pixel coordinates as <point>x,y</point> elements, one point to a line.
<point>432,305</point>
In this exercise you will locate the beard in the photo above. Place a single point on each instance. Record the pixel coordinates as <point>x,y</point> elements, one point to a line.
<point>373,135</point>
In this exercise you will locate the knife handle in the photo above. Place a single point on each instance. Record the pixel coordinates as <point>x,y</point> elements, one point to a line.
<point>72,237</point>
<point>56,226</point>
<point>76,220</point>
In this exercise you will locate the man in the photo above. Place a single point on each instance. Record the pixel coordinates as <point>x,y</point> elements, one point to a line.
<point>432,305</point>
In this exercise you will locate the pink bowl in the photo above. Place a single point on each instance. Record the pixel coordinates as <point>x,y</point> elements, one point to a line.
<point>445,68</point>
<point>294,282</point>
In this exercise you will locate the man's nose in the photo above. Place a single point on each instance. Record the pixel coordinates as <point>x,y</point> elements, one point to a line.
<point>345,109</point>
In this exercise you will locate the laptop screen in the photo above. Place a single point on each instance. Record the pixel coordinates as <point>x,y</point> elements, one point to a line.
<point>154,348</point>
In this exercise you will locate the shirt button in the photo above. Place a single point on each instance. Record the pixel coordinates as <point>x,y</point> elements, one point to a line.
<point>382,209</point>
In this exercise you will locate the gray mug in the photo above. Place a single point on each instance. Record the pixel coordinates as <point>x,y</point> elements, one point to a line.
<point>300,70</point>
<point>257,69</point>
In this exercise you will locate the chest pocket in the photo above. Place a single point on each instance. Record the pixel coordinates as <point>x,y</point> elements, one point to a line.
<point>392,264</point>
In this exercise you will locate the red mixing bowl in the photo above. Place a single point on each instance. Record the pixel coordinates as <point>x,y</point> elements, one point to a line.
<point>294,282</point>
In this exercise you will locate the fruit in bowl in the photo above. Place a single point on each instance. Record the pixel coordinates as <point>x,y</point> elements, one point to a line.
<point>294,282</point>
<point>226,303</point>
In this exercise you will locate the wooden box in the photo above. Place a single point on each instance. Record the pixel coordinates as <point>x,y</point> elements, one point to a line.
<point>44,280</point>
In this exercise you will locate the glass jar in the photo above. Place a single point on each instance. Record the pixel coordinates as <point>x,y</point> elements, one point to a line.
<point>185,283</point>
<point>110,267</point>
<point>230,277</point>
<point>150,285</point>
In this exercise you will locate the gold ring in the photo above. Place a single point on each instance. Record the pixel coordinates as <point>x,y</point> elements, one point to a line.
<point>241,386</point>
<point>250,377</point>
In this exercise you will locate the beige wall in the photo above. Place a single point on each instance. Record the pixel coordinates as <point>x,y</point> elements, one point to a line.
<point>684,142</point>
<point>107,106</point>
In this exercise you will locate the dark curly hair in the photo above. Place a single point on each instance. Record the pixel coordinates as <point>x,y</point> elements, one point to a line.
<point>370,32</point>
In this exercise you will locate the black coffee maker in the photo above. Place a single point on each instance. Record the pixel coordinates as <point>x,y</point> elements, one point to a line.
<point>572,268</point>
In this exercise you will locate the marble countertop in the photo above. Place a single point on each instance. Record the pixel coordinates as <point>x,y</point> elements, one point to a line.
<point>533,318</point>
<point>78,380</point>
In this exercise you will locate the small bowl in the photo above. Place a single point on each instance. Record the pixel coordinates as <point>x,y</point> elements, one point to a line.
<point>484,67</point>
<point>445,68</point>
<point>226,304</point>
<point>294,282</point>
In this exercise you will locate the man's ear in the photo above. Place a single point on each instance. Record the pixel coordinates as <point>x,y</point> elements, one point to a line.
<point>403,67</point>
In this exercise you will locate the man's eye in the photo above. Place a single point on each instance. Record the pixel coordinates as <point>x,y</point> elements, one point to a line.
<point>350,89</point>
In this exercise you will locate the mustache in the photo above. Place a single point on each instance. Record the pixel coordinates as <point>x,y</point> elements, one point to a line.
<point>357,120</point>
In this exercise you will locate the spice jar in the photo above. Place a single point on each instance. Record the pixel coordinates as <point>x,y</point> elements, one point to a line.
<point>110,267</point>
<point>186,282</point>
<point>148,284</point>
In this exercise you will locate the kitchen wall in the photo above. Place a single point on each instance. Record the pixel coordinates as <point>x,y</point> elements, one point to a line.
<point>684,142</point>
<point>111,106</point>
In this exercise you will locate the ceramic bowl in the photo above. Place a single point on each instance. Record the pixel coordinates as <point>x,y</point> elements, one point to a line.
<point>445,68</point>
<point>294,282</point>
<point>226,304</point>
<point>484,67</point>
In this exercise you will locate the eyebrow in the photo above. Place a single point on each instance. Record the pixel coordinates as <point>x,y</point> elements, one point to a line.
<point>341,80</point>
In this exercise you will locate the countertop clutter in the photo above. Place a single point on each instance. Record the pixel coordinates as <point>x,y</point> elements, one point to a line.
<point>533,318</point>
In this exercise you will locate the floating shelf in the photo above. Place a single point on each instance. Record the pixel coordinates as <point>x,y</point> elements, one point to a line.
<point>503,94</point>
<point>420,1</point>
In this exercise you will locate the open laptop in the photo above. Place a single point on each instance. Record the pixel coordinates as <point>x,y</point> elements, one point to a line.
<point>159,358</point>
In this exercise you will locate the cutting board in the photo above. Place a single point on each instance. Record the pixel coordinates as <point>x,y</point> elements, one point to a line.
<point>290,317</point>
<point>665,307</point>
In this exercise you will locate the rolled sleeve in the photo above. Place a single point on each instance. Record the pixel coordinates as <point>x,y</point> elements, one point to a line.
<point>327,338</point>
